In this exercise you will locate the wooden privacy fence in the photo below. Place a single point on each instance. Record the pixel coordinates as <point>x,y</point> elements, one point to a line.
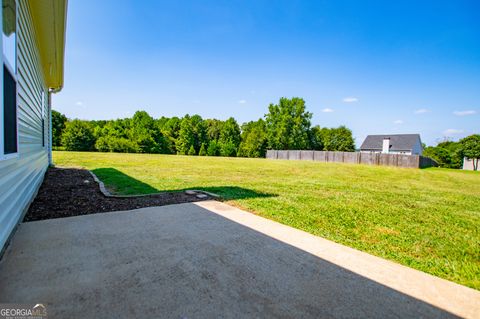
<point>399,160</point>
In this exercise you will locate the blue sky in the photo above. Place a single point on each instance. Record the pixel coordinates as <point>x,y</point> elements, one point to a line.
<point>378,67</point>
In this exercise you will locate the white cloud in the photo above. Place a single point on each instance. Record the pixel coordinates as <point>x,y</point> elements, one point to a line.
<point>398,122</point>
<point>464,113</point>
<point>242,102</point>
<point>421,111</point>
<point>452,131</point>
<point>79,103</point>
<point>350,100</point>
<point>327,110</point>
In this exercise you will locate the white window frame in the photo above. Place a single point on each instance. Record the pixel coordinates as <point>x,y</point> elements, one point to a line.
<point>5,62</point>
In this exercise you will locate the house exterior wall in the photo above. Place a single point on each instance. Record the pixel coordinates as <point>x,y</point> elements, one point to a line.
<point>402,152</point>
<point>21,175</point>
<point>417,148</point>
<point>389,152</point>
<point>386,145</point>
<point>467,164</point>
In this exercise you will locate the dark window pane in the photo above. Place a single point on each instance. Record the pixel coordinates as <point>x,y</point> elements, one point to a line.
<point>43,132</point>
<point>9,112</point>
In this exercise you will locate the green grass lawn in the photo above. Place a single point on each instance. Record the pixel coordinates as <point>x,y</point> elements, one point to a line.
<point>427,219</point>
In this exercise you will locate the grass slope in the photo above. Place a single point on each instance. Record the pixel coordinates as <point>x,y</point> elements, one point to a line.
<point>426,219</point>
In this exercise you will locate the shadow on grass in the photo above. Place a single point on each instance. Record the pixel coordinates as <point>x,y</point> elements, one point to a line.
<point>120,183</point>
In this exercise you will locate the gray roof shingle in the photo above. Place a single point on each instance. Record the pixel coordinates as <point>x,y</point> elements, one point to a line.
<point>398,142</point>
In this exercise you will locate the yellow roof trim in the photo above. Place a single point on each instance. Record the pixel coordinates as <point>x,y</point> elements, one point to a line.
<point>49,22</point>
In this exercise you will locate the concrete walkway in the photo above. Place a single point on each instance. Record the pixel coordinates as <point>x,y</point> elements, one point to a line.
<point>210,260</point>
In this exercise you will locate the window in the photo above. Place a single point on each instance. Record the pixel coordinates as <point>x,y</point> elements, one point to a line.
<point>43,132</point>
<point>9,113</point>
<point>9,139</point>
<point>43,119</point>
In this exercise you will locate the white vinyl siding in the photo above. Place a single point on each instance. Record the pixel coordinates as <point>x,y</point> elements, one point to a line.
<point>21,176</point>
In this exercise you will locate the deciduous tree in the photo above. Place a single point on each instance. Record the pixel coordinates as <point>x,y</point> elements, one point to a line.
<point>316,138</point>
<point>288,124</point>
<point>254,139</point>
<point>338,139</point>
<point>171,130</point>
<point>470,148</point>
<point>58,125</point>
<point>439,154</point>
<point>186,136</point>
<point>229,138</point>
<point>78,136</point>
<point>213,148</point>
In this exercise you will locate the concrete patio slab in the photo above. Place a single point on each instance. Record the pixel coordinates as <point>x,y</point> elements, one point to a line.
<point>209,260</point>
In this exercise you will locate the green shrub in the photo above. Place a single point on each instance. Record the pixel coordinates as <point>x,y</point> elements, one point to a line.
<point>439,154</point>
<point>78,136</point>
<point>116,144</point>
<point>213,148</point>
<point>202,151</point>
<point>191,151</point>
<point>228,149</point>
<point>102,144</point>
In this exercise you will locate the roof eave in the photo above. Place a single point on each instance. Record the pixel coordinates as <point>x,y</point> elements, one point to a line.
<point>49,22</point>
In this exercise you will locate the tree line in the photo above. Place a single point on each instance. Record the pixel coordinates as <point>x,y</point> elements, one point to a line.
<point>450,154</point>
<point>287,125</point>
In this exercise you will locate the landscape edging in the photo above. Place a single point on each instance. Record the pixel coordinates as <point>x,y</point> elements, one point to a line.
<point>106,193</point>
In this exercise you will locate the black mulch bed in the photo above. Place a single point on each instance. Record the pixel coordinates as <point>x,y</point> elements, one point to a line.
<point>69,192</point>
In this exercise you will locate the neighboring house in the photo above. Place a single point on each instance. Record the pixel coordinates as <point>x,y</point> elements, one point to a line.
<point>33,41</point>
<point>408,144</point>
<point>468,164</point>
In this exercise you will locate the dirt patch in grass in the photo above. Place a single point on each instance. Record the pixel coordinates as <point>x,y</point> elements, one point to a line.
<point>69,192</point>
